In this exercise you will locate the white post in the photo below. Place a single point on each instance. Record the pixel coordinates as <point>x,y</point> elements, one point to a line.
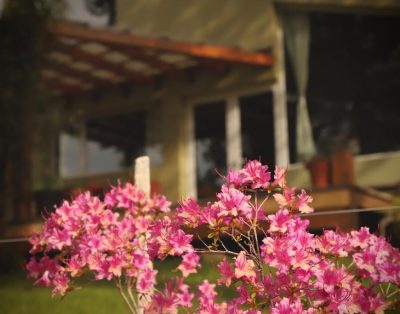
<point>234,156</point>
<point>142,174</point>
<point>280,106</point>
<point>142,181</point>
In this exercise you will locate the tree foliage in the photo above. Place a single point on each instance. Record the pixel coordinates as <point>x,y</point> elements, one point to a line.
<point>23,41</point>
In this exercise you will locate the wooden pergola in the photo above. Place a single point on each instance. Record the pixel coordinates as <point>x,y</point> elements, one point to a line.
<point>85,58</point>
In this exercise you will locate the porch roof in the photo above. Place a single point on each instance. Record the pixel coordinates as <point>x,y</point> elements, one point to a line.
<point>85,58</point>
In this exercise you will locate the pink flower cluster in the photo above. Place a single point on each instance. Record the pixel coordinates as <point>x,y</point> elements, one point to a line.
<point>88,234</point>
<point>278,264</point>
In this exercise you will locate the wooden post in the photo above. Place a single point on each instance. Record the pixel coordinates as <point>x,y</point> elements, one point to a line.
<point>142,174</point>
<point>142,181</point>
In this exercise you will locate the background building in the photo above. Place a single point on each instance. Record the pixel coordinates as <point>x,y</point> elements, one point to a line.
<point>205,85</point>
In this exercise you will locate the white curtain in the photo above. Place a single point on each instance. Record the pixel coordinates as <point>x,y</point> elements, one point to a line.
<point>297,37</point>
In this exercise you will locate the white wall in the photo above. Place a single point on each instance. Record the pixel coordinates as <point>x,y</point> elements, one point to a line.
<point>77,11</point>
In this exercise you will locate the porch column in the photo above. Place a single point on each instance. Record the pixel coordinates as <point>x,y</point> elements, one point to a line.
<point>191,185</point>
<point>234,155</point>
<point>280,106</point>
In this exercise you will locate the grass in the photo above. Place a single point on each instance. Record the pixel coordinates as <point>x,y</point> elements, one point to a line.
<point>19,296</point>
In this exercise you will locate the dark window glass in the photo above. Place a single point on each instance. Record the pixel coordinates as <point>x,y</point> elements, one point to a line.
<point>257,126</point>
<point>210,146</point>
<point>354,82</point>
<point>114,142</point>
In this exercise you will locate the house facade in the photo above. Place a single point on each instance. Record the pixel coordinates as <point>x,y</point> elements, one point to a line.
<point>215,113</point>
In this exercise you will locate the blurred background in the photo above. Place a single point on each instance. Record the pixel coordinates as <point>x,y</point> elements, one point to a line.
<point>86,86</point>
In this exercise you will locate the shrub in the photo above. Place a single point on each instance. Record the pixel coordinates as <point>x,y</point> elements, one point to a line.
<point>279,265</point>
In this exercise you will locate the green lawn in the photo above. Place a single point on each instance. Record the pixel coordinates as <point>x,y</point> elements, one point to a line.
<point>19,296</point>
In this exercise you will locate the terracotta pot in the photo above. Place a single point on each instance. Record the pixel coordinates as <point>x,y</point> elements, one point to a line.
<point>319,171</point>
<point>342,165</point>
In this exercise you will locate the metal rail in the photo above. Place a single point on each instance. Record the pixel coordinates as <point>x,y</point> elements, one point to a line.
<point>349,211</point>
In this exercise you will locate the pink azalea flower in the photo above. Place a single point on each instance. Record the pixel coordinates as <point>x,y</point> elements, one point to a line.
<point>330,278</point>
<point>370,302</point>
<point>44,279</point>
<point>160,203</point>
<point>140,259</point>
<point>303,203</point>
<point>59,238</point>
<point>256,174</point>
<point>244,267</point>
<point>286,198</point>
<point>233,202</point>
<point>243,295</point>
<point>286,306</point>
<point>189,264</point>
<point>146,280</point>
<point>142,224</point>
<point>61,284</point>
<point>185,297</point>
<point>334,243</point>
<point>280,221</point>
<point>189,212</point>
<point>34,268</point>
<point>96,243</point>
<point>103,270</point>
<point>116,264</point>
<point>362,238</point>
<point>207,293</point>
<point>226,273</point>
<point>235,178</point>
<point>74,265</point>
<point>280,177</point>
<point>109,218</point>
<point>180,242</point>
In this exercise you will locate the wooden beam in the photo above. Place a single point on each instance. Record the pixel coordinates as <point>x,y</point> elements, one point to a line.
<point>108,36</point>
<point>217,66</point>
<point>64,87</point>
<point>99,61</point>
<point>86,77</point>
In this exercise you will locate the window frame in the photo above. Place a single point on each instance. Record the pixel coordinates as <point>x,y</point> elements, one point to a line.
<point>233,128</point>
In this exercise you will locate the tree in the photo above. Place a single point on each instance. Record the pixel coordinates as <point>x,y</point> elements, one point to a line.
<point>23,41</point>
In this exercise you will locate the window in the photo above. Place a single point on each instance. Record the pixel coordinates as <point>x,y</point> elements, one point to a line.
<point>103,145</point>
<point>226,133</point>
<point>70,152</point>
<point>210,146</point>
<point>353,83</point>
<point>257,128</point>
